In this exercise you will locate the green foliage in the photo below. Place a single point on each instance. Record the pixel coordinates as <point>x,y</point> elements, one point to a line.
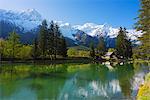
<point>2,47</point>
<point>57,45</point>
<point>101,47</point>
<point>49,44</point>
<point>43,38</point>
<point>143,18</point>
<point>63,47</point>
<point>144,91</point>
<point>35,50</point>
<point>81,47</point>
<point>111,50</point>
<point>18,50</point>
<point>143,24</point>
<point>83,53</point>
<point>51,41</point>
<point>72,52</point>
<point>13,45</point>
<point>123,44</point>
<point>135,54</point>
<point>25,52</point>
<point>92,51</point>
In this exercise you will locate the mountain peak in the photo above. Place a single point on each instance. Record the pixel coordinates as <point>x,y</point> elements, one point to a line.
<point>31,14</point>
<point>30,19</point>
<point>31,10</point>
<point>27,19</point>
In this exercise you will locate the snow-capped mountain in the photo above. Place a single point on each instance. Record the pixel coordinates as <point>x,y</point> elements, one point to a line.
<point>26,20</point>
<point>105,30</point>
<point>30,19</point>
<point>95,30</point>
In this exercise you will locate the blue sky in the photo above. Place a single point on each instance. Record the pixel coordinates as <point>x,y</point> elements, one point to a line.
<point>113,12</point>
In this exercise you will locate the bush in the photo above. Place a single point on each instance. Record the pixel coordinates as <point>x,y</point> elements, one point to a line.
<point>72,52</point>
<point>25,52</point>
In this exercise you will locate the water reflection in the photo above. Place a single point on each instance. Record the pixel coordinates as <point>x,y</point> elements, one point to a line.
<point>97,82</point>
<point>104,85</point>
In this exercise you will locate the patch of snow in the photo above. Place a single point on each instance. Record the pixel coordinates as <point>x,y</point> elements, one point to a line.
<point>29,19</point>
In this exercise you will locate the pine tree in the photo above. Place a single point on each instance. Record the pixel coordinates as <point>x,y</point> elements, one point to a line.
<point>63,47</point>
<point>129,52</point>
<point>123,44</point>
<point>92,51</point>
<point>35,52</point>
<point>57,45</point>
<point>144,25</point>
<point>2,46</point>
<point>43,39</point>
<point>101,47</point>
<point>50,40</point>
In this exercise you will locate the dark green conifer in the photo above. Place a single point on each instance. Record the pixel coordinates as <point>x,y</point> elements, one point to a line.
<point>43,39</point>
<point>35,49</point>
<point>123,44</point>
<point>101,47</point>
<point>92,50</point>
<point>143,24</point>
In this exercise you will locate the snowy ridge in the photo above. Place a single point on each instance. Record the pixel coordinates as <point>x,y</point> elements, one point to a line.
<point>27,20</point>
<point>106,30</point>
<point>30,19</point>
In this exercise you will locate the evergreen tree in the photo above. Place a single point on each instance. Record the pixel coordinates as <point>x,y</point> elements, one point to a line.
<point>144,25</point>
<point>123,44</point>
<point>35,52</point>
<point>63,48</point>
<point>50,41</point>
<point>129,52</point>
<point>57,44</point>
<point>43,39</point>
<point>92,51</point>
<point>101,47</point>
<point>2,46</point>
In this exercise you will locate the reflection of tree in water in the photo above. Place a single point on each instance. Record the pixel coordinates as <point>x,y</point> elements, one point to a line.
<point>7,89</point>
<point>125,74</point>
<point>98,72</point>
<point>96,80</point>
<point>46,87</point>
<point>10,83</point>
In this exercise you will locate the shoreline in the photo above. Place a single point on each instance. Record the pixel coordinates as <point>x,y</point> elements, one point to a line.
<point>84,60</point>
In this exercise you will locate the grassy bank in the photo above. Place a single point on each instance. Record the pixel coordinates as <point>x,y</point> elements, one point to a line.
<point>83,60</point>
<point>144,90</point>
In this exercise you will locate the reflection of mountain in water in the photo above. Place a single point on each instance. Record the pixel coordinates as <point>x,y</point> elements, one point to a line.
<point>120,83</point>
<point>91,82</point>
<point>138,78</point>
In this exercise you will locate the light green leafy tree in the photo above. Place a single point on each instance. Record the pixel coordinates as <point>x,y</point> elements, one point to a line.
<point>12,45</point>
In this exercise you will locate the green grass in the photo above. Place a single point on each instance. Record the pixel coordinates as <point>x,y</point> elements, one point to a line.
<point>144,91</point>
<point>84,48</point>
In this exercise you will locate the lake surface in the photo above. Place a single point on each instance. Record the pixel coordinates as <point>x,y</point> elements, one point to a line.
<point>79,82</point>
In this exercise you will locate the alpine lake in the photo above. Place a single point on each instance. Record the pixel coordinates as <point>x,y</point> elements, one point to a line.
<point>71,81</point>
